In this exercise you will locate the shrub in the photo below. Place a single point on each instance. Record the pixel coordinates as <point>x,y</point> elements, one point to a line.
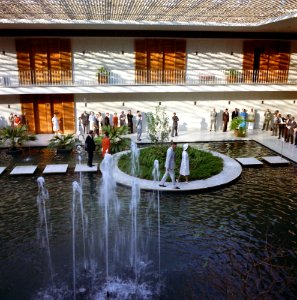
<point>202,164</point>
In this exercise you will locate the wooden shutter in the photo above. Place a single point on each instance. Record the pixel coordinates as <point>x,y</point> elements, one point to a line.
<point>155,61</point>
<point>27,104</point>
<point>39,60</point>
<point>180,61</point>
<point>68,114</point>
<point>54,60</point>
<point>169,61</point>
<point>140,61</point>
<point>66,61</point>
<point>248,61</point>
<point>23,58</point>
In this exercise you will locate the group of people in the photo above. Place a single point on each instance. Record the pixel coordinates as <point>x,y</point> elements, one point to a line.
<point>93,125</point>
<point>170,166</point>
<point>247,117</point>
<point>96,122</point>
<point>281,126</point>
<point>90,146</point>
<point>15,120</point>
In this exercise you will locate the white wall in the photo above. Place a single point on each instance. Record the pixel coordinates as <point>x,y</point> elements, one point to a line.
<point>191,116</point>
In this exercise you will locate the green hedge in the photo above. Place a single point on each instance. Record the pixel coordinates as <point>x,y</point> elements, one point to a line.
<point>202,164</point>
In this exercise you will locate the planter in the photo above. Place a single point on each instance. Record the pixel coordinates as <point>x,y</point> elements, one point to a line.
<point>102,79</point>
<point>14,152</point>
<point>239,133</point>
<point>64,151</point>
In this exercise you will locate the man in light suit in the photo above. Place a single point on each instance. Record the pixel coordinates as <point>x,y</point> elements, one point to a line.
<point>169,166</point>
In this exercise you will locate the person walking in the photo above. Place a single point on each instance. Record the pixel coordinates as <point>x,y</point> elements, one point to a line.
<point>185,165</point>
<point>175,120</point>
<point>90,147</point>
<point>169,166</point>
<point>213,120</point>
<point>225,119</point>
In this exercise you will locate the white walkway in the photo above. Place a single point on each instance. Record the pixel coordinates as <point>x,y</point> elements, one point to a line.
<point>263,137</point>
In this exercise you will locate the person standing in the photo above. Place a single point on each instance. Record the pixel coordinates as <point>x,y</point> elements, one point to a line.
<point>169,166</point>
<point>105,144</point>
<point>106,120</point>
<point>291,126</point>
<point>92,121</point>
<point>175,120</point>
<point>185,165</point>
<point>100,122</point>
<point>115,120</point>
<point>235,113</point>
<point>225,119</point>
<point>267,119</point>
<point>11,120</point>
<point>213,121</point>
<point>130,121</point>
<point>122,119</point>
<point>90,147</point>
<point>139,126</point>
<point>85,120</point>
<point>80,128</point>
<point>56,126</point>
<point>251,119</point>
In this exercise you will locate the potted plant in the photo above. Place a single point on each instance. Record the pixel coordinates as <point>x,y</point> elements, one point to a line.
<point>233,76</point>
<point>238,124</point>
<point>63,143</point>
<point>103,75</point>
<point>15,137</point>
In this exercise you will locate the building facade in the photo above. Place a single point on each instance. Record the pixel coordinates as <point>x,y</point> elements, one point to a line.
<point>187,74</point>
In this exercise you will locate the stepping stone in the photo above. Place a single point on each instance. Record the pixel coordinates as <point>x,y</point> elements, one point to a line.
<point>2,170</point>
<point>275,160</point>
<point>249,161</point>
<point>23,170</point>
<point>85,168</point>
<point>54,169</point>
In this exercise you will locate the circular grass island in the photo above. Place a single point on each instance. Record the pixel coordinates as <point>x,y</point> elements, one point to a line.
<point>203,164</point>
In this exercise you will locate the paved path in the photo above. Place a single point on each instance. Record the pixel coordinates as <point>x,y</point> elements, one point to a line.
<point>191,136</point>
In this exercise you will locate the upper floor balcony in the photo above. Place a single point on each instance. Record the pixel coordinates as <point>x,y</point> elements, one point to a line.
<point>198,80</point>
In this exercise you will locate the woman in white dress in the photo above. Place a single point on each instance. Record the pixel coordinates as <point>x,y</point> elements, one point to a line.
<point>56,126</point>
<point>92,120</point>
<point>184,166</point>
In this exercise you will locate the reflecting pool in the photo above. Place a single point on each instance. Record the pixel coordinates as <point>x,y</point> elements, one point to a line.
<point>236,242</point>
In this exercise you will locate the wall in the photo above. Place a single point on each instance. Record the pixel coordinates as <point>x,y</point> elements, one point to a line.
<point>192,116</point>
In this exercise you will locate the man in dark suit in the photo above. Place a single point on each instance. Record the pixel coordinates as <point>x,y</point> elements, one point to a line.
<point>234,113</point>
<point>225,119</point>
<point>90,147</point>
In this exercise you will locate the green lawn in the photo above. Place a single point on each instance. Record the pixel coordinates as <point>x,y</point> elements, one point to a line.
<point>202,164</point>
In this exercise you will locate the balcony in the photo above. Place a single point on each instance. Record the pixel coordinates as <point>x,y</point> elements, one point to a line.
<point>147,81</point>
<point>148,77</point>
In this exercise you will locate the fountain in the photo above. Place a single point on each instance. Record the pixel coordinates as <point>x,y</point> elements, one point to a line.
<point>43,232</point>
<point>213,244</point>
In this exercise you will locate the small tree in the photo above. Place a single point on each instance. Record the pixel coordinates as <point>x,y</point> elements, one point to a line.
<point>158,125</point>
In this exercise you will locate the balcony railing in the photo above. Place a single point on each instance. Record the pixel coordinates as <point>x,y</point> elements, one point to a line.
<point>146,77</point>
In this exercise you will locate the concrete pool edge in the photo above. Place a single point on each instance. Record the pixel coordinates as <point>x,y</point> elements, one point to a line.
<point>231,171</point>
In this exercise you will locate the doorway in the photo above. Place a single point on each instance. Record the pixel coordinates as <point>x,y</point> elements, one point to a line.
<point>39,110</point>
